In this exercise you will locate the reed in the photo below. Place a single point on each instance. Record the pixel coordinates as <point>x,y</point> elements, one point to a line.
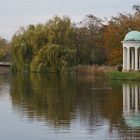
<point>99,72</point>
<point>106,72</point>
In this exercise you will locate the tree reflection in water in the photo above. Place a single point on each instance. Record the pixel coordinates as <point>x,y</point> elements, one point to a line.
<point>61,101</point>
<point>47,98</point>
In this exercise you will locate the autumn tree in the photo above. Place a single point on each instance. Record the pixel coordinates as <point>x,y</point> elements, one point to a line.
<point>89,41</point>
<point>114,33</point>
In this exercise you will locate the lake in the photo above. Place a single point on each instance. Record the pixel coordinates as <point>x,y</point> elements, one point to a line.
<point>67,107</point>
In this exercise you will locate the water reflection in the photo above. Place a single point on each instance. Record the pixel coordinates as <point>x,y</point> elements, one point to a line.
<point>131,104</point>
<point>58,100</point>
<point>66,102</point>
<point>5,77</point>
<point>44,98</point>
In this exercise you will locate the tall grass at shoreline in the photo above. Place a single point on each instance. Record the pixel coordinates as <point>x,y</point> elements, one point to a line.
<point>106,72</point>
<point>99,72</point>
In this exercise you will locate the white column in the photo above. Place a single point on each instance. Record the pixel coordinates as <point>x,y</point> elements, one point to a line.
<point>136,98</point>
<point>124,58</point>
<point>128,58</point>
<point>136,58</point>
<point>132,59</point>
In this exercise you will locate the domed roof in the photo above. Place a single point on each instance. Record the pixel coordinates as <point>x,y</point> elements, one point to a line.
<point>132,36</point>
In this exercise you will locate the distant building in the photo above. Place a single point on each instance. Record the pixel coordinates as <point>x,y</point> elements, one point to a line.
<point>131,51</point>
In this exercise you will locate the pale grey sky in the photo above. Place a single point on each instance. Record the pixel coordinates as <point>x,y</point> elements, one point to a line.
<point>16,13</point>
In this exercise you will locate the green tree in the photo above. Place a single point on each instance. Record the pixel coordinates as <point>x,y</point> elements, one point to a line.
<point>60,31</point>
<point>22,52</point>
<point>53,58</point>
<point>5,50</point>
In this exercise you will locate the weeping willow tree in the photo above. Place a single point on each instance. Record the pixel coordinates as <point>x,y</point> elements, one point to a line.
<point>45,47</point>
<point>53,58</point>
<point>22,53</point>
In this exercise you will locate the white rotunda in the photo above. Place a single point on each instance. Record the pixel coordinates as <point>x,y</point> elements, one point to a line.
<point>131,51</point>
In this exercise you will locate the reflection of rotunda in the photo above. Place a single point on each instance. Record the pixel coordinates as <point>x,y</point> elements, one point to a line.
<point>131,104</point>
<point>131,51</point>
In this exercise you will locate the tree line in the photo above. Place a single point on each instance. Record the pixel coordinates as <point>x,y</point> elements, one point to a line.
<point>61,43</point>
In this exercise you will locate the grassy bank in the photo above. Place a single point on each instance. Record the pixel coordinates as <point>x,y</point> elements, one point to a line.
<point>106,72</point>
<point>116,75</point>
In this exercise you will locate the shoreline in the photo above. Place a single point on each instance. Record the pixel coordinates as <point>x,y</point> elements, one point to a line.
<point>108,72</point>
<point>100,72</point>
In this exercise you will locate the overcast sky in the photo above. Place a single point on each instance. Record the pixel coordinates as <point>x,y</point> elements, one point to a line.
<point>16,13</point>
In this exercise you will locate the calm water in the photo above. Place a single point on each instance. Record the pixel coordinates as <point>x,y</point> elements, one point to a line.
<point>52,107</point>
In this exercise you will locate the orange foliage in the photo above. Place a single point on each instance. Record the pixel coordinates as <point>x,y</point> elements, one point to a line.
<point>114,33</point>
